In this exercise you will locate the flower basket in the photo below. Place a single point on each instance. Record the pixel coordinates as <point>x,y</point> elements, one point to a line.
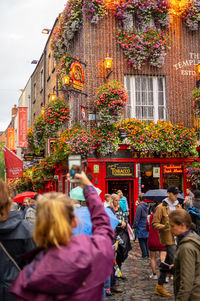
<point>196,101</point>
<point>110,102</point>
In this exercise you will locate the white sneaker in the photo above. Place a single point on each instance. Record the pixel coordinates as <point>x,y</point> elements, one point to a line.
<point>154,277</point>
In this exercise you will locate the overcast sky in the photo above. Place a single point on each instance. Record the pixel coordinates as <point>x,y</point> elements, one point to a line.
<point>21,41</point>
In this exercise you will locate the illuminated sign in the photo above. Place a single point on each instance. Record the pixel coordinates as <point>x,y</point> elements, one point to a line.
<point>77,76</point>
<point>121,169</point>
<point>172,168</point>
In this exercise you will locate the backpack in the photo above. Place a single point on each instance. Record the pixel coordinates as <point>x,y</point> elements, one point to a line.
<point>195,216</point>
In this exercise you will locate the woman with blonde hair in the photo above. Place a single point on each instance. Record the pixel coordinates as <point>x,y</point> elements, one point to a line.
<point>15,240</point>
<point>67,267</point>
<point>187,257</point>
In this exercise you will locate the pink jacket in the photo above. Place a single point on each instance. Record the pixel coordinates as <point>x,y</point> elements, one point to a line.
<point>75,272</point>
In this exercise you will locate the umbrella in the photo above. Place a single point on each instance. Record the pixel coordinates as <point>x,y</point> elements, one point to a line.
<point>157,195</point>
<point>19,198</point>
<point>84,220</point>
<point>77,193</point>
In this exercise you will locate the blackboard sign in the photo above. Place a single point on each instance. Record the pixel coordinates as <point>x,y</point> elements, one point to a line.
<point>119,170</point>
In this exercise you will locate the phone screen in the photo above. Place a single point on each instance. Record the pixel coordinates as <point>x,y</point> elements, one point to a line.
<point>74,165</point>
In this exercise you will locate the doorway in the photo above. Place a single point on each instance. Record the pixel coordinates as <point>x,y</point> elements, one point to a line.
<point>126,186</point>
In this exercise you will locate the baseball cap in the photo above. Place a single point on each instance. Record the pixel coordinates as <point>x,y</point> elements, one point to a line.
<point>173,189</point>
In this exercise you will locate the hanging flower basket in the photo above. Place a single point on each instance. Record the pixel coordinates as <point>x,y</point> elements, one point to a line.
<point>193,173</point>
<point>141,46</point>
<point>94,10</point>
<point>56,113</point>
<point>110,102</point>
<point>196,101</point>
<point>191,15</point>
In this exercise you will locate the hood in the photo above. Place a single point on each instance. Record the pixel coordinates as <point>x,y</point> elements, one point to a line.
<point>144,206</point>
<point>170,204</point>
<point>191,237</point>
<point>13,220</point>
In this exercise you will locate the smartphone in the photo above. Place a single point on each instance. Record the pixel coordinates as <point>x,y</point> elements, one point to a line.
<point>74,165</point>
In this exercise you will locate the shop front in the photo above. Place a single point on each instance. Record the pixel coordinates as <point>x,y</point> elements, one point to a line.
<point>137,175</point>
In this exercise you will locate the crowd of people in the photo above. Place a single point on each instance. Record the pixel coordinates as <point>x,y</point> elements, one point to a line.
<point>42,259</point>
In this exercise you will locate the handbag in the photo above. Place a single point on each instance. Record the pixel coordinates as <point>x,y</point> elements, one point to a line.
<point>130,232</point>
<point>9,256</point>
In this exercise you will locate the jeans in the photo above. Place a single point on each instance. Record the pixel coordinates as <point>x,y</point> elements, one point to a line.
<point>143,247</point>
<point>169,260</point>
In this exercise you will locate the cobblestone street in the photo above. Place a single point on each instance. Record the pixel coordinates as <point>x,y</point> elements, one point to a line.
<point>138,285</point>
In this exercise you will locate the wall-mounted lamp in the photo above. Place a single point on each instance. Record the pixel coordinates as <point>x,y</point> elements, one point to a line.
<point>34,62</point>
<point>108,66</point>
<point>42,111</point>
<point>52,97</point>
<point>178,6</point>
<point>198,76</point>
<point>65,80</point>
<point>111,4</point>
<point>46,31</point>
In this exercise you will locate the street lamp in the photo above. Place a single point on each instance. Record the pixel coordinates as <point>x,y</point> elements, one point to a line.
<point>46,30</point>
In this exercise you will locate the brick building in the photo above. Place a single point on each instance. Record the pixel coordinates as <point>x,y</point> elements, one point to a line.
<point>154,93</point>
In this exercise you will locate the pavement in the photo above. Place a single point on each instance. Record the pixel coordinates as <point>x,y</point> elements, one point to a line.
<point>138,286</point>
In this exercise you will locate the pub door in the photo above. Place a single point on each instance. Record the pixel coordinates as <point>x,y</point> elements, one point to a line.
<point>126,186</point>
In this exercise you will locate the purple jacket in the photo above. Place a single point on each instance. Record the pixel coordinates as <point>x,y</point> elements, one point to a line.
<point>75,272</point>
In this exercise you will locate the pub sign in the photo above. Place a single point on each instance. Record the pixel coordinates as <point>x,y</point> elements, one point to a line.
<point>119,170</point>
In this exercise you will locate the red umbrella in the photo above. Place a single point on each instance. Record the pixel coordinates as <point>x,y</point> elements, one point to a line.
<point>19,198</point>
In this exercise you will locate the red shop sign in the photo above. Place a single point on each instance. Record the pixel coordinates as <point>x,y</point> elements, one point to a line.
<point>172,168</point>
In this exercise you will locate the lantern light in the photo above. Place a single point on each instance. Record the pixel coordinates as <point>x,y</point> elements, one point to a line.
<point>42,111</point>
<point>65,80</point>
<point>178,6</point>
<point>108,63</point>
<point>108,66</point>
<point>198,68</point>
<point>52,97</point>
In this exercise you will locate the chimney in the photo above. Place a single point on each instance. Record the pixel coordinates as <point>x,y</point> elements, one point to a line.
<point>14,111</point>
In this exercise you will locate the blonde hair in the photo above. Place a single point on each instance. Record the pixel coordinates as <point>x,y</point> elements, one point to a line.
<point>5,201</point>
<point>113,197</point>
<point>54,217</point>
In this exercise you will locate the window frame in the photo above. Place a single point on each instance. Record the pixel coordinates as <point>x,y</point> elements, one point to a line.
<point>131,88</point>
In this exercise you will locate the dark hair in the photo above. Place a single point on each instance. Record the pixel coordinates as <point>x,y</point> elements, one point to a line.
<point>36,196</point>
<point>173,189</point>
<point>197,194</point>
<point>181,216</point>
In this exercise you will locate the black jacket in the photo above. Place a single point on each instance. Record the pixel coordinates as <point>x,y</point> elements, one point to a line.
<point>15,235</point>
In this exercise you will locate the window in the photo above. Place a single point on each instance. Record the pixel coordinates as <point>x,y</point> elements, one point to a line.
<point>49,66</point>
<point>34,93</point>
<point>131,21</point>
<point>147,97</point>
<point>41,80</point>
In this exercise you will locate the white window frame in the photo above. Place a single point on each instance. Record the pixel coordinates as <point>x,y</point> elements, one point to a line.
<point>131,88</point>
